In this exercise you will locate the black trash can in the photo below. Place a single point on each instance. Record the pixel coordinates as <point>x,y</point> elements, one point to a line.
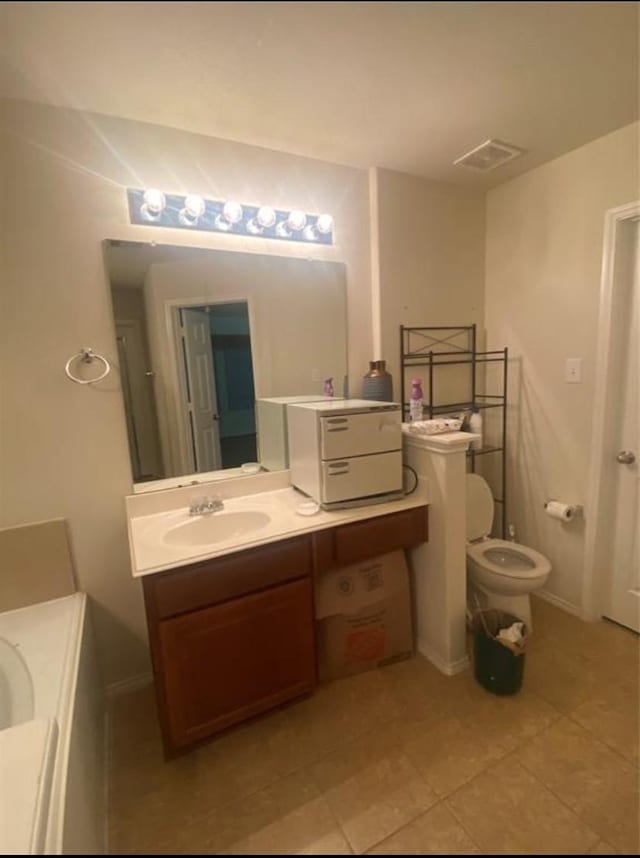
<point>498,666</point>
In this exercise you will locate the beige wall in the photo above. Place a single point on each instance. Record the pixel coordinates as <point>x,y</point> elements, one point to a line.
<point>431,258</point>
<point>128,304</point>
<point>544,253</point>
<point>64,446</point>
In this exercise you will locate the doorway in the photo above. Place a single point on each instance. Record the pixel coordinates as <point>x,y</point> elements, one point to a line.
<point>217,385</point>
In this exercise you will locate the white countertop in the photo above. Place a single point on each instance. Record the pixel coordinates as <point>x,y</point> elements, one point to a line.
<point>151,552</point>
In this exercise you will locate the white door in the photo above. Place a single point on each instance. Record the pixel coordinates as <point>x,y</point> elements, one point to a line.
<point>202,409</point>
<point>624,597</point>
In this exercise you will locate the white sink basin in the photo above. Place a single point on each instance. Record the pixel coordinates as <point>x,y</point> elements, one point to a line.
<point>217,527</point>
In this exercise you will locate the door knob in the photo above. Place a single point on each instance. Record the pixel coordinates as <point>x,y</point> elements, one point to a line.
<point>626,457</point>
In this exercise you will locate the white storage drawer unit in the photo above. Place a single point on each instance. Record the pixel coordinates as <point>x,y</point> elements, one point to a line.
<point>360,434</point>
<point>373,475</point>
<point>346,451</point>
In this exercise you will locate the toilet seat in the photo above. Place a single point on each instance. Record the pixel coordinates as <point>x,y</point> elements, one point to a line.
<point>523,555</point>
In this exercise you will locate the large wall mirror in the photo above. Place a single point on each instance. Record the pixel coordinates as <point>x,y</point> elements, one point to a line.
<point>203,334</point>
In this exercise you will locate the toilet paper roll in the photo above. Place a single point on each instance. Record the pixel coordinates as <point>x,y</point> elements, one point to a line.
<point>559,510</point>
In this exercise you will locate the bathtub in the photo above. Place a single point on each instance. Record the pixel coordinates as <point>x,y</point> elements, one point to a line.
<point>52,775</point>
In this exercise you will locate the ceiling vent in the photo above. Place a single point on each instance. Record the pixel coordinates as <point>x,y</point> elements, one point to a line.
<point>489,155</point>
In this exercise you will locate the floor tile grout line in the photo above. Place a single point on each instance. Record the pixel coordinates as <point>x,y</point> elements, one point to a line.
<point>463,826</point>
<point>543,785</point>
<point>562,801</point>
<point>396,747</point>
<point>402,827</point>
<point>604,741</point>
<point>439,802</point>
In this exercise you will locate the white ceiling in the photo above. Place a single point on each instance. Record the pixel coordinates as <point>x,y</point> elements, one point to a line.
<point>405,85</point>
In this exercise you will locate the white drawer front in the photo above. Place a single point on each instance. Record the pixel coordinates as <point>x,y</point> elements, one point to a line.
<point>365,475</point>
<point>359,434</point>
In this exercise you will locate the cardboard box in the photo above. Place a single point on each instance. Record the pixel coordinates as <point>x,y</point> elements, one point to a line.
<point>363,615</point>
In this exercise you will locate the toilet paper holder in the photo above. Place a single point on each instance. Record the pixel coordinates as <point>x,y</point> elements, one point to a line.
<point>562,511</point>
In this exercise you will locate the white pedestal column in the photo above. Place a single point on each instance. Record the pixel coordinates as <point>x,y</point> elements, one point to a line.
<point>439,565</point>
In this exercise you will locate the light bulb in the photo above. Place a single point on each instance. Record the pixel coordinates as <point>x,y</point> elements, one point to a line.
<point>266,217</point>
<point>193,209</point>
<point>324,224</point>
<point>153,204</point>
<point>232,212</point>
<point>194,206</point>
<point>296,220</point>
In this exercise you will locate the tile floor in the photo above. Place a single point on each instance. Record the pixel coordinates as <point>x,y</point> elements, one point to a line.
<point>405,760</point>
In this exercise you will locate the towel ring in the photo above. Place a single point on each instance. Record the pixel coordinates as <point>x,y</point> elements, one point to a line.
<point>87,356</point>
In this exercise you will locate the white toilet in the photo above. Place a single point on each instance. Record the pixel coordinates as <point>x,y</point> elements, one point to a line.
<point>500,574</point>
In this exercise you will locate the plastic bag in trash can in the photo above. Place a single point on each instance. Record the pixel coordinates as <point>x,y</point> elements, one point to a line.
<point>498,660</point>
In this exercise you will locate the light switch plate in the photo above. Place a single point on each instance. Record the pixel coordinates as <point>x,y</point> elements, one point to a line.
<point>573,371</point>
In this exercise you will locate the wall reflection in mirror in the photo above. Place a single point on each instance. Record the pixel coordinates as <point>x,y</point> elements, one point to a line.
<point>202,334</point>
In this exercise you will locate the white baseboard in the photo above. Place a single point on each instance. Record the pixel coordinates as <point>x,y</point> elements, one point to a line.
<point>569,607</point>
<point>450,668</point>
<point>126,686</point>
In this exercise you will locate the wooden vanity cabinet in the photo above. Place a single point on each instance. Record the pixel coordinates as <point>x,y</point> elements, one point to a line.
<point>234,636</point>
<point>230,638</point>
<point>226,663</point>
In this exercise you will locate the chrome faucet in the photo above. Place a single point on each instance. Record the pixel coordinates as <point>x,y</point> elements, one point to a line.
<point>206,505</point>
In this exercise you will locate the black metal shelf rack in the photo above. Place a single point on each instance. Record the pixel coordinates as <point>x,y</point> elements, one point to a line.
<point>437,346</point>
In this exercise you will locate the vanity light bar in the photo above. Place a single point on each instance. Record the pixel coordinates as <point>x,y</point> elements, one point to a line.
<point>152,207</point>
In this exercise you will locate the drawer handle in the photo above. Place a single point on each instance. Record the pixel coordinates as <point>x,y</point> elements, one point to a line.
<point>338,473</point>
<point>339,429</point>
<point>337,420</point>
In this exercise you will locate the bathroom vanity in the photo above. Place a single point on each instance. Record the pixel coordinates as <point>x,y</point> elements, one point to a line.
<point>231,624</point>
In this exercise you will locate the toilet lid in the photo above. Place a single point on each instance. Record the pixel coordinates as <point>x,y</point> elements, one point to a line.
<point>479,507</point>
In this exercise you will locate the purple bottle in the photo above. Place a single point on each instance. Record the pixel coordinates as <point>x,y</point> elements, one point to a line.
<point>415,404</point>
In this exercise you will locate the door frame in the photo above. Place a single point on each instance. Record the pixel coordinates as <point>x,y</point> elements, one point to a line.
<point>596,581</point>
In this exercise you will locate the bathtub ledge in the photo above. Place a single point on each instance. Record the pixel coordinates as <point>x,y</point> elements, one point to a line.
<point>27,758</point>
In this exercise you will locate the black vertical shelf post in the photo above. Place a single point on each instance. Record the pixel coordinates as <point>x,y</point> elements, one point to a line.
<point>504,442</point>
<point>474,383</point>
<point>402,387</point>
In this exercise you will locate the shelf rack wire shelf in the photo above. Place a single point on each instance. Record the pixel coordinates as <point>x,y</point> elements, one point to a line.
<point>456,345</point>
